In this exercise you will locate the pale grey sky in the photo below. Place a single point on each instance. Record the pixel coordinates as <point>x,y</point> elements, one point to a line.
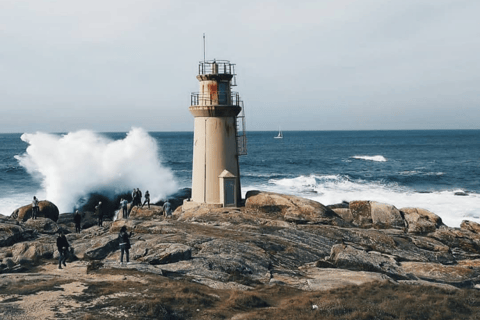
<point>108,65</point>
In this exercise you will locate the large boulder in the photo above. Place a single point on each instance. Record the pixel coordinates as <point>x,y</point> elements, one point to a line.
<point>348,257</point>
<point>420,220</point>
<point>145,212</point>
<point>100,248</point>
<point>464,273</point>
<point>10,234</point>
<point>361,212</point>
<point>160,253</point>
<point>32,252</point>
<point>386,216</point>
<point>344,213</point>
<point>46,210</point>
<point>44,225</point>
<point>294,209</point>
<point>470,226</point>
<point>368,214</point>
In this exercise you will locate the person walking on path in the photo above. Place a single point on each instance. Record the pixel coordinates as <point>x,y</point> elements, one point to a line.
<point>77,218</point>
<point>99,213</point>
<point>35,208</point>
<point>167,209</point>
<point>62,245</point>
<point>147,199</point>
<point>123,205</point>
<point>124,241</point>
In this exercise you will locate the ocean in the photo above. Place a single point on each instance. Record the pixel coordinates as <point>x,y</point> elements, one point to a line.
<point>437,170</point>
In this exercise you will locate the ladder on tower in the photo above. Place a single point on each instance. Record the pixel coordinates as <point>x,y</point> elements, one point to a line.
<point>241,133</point>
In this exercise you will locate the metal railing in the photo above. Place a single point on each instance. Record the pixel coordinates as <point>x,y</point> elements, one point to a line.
<point>219,98</point>
<point>216,67</point>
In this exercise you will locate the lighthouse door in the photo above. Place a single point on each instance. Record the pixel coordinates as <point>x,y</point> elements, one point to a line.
<point>230,192</point>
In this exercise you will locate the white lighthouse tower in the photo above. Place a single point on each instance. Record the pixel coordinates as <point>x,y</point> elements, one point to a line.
<point>219,137</point>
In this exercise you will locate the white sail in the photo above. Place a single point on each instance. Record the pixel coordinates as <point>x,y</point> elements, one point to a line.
<point>280,134</point>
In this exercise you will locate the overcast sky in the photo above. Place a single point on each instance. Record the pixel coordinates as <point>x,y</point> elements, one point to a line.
<point>108,65</point>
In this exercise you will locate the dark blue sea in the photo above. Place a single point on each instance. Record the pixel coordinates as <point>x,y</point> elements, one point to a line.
<point>436,170</point>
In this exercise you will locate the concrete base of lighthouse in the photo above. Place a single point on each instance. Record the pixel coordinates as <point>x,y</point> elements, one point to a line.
<point>189,204</point>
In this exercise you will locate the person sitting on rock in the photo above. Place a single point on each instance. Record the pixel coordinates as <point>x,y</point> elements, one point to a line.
<point>147,199</point>
<point>77,218</point>
<point>99,213</point>
<point>62,245</point>
<point>35,208</point>
<point>167,209</point>
<point>123,205</point>
<point>124,241</point>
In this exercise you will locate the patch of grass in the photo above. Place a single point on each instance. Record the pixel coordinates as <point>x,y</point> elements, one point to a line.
<point>159,297</point>
<point>32,287</point>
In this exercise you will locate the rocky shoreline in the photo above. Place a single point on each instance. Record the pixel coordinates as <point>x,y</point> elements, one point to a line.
<point>275,240</point>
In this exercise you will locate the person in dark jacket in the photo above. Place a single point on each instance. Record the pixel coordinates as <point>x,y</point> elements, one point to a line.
<point>139,195</point>
<point>134,197</point>
<point>99,213</point>
<point>35,208</point>
<point>77,218</point>
<point>147,199</point>
<point>124,241</point>
<point>62,245</point>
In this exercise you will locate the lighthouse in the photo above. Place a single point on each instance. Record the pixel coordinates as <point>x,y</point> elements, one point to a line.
<point>219,137</point>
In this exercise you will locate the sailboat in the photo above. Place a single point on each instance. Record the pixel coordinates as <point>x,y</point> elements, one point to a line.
<point>280,134</point>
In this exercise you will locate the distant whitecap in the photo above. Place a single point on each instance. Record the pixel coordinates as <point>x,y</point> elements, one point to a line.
<point>377,158</point>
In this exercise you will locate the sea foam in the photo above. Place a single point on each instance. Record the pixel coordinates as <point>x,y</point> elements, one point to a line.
<point>74,165</point>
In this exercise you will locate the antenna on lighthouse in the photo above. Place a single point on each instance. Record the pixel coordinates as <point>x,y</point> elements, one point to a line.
<point>204,48</point>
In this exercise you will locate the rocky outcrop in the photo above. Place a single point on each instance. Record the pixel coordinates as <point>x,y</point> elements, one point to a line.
<point>421,220</point>
<point>348,257</point>
<point>100,248</point>
<point>160,253</point>
<point>367,214</point>
<point>32,252</point>
<point>293,209</point>
<point>145,212</point>
<point>470,226</point>
<point>46,210</point>
<point>44,225</point>
<point>275,239</point>
<point>10,234</point>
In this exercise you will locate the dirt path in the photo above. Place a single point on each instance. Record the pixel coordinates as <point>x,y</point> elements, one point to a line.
<point>60,287</point>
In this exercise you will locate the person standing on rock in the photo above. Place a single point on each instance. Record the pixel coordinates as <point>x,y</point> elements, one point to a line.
<point>99,213</point>
<point>123,205</point>
<point>139,203</point>
<point>134,197</point>
<point>167,209</point>
<point>62,245</point>
<point>77,218</point>
<point>147,199</point>
<point>124,241</point>
<point>35,208</point>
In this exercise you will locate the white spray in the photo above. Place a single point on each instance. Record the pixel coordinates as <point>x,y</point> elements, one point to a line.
<point>74,165</point>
